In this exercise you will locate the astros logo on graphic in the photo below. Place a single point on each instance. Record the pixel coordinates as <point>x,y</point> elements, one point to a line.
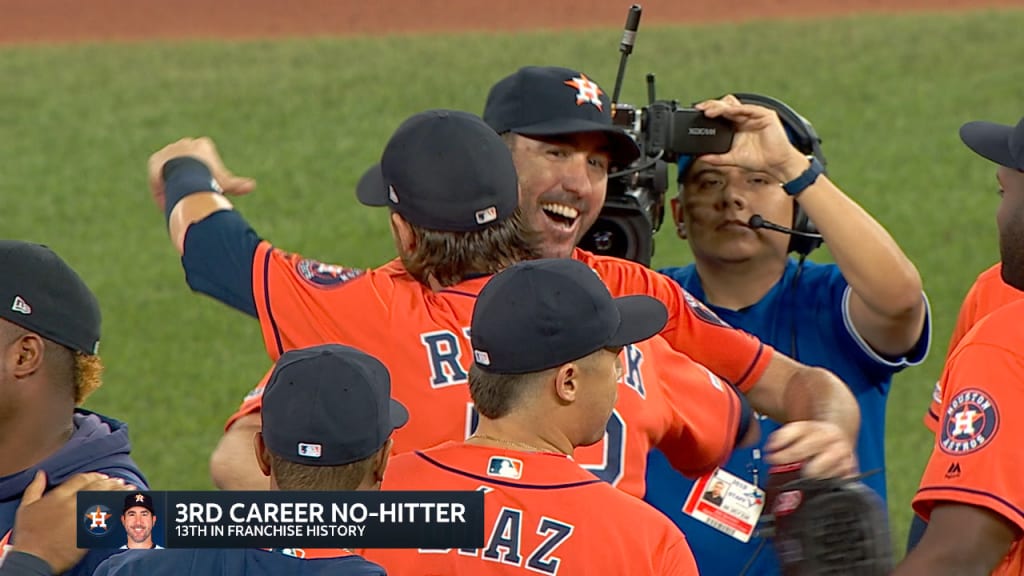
<point>96,520</point>
<point>969,423</point>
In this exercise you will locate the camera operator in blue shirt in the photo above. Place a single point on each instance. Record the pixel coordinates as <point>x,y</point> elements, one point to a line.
<point>863,318</point>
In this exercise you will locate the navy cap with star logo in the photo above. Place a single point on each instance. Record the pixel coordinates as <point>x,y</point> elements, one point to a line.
<point>139,499</point>
<point>554,101</point>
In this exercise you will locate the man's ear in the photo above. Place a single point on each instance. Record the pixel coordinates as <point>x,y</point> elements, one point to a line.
<point>678,216</point>
<point>567,383</point>
<point>25,355</point>
<point>405,238</point>
<point>262,453</point>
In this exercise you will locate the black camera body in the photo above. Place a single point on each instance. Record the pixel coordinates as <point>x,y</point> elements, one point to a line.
<point>634,207</point>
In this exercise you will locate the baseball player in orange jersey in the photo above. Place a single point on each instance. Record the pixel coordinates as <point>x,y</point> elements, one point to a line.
<point>223,257</point>
<point>970,491</point>
<point>988,293</point>
<point>420,333</point>
<point>545,339</point>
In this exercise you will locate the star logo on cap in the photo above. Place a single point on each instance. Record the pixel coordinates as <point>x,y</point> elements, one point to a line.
<point>587,91</point>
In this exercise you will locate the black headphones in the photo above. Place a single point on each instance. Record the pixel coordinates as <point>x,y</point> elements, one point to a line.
<point>806,140</point>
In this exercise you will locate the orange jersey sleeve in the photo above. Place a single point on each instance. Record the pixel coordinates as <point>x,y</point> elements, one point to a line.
<point>976,456</point>
<point>291,294</point>
<point>666,400</point>
<point>543,515</point>
<point>988,293</point>
<point>692,328</point>
<point>701,412</point>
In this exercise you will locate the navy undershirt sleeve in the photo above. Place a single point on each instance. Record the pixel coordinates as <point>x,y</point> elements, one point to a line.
<point>218,259</point>
<point>746,413</point>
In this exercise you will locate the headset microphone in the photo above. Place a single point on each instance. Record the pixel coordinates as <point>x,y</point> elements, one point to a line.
<point>756,221</point>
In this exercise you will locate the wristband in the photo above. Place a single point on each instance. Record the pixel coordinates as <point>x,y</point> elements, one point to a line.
<point>803,181</point>
<point>184,176</point>
<point>20,563</point>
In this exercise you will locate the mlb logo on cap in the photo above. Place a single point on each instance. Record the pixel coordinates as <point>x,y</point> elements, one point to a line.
<point>489,214</point>
<point>310,450</point>
<point>481,357</point>
<point>505,467</point>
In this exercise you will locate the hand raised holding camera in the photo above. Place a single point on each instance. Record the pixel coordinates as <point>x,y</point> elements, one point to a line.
<point>760,143</point>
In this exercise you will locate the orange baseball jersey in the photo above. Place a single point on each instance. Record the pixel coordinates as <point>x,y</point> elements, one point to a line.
<point>988,293</point>
<point>543,514</point>
<point>976,459</point>
<point>666,400</point>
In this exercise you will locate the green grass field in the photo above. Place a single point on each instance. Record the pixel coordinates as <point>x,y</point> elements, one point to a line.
<point>305,117</point>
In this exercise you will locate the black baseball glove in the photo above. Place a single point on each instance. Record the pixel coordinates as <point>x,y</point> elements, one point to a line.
<point>826,527</point>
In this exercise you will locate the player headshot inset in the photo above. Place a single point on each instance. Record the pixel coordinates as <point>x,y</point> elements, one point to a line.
<point>716,494</point>
<point>138,520</point>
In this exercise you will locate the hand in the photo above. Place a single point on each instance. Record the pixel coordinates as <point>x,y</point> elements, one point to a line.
<point>204,150</point>
<point>822,447</point>
<point>47,526</point>
<point>760,144</point>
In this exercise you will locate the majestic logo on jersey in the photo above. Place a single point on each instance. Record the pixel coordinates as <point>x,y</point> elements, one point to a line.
<point>325,275</point>
<point>969,423</point>
<point>702,311</point>
<point>953,471</point>
<point>505,467</point>
<point>96,520</point>
<point>587,91</point>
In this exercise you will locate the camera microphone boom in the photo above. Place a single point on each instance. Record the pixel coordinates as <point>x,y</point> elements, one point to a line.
<point>626,47</point>
<point>756,221</point>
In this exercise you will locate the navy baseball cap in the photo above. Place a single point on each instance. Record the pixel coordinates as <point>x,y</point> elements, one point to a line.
<point>139,499</point>
<point>552,101</point>
<point>444,170</point>
<point>42,294</point>
<point>329,405</point>
<point>1000,143</point>
<point>540,314</point>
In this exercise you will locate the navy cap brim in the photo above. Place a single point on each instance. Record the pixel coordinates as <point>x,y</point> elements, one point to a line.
<point>641,318</point>
<point>399,414</point>
<point>991,141</point>
<point>624,149</point>
<point>371,189</point>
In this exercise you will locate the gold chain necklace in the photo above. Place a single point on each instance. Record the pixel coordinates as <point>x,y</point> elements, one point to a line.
<point>511,443</point>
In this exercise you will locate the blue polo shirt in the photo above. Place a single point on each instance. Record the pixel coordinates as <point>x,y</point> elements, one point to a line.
<point>805,316</point>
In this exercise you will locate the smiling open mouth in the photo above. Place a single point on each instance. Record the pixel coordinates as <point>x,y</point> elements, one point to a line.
<point>561,214</point>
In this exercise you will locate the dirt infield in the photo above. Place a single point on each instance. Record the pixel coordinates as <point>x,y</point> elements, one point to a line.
<point>50,21</point>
